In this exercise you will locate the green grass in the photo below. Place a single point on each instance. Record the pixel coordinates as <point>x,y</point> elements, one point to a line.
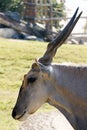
<point>16,57</point>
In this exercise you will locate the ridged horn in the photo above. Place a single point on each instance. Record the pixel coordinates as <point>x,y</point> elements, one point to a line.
<point>59,40</point>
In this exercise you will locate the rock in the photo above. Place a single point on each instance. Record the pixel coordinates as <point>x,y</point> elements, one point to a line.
<point>7,32</point>
<point>52,120</point>
<point>32,37</point>
<point>10,33</point>
<point>74,41</point>
<point>81,41</point>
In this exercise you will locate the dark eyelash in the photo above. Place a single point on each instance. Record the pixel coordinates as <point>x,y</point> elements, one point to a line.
<point>31,79</point>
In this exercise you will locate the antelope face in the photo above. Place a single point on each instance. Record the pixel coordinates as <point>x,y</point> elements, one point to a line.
<point>33,93</point>
<point>35,88</point>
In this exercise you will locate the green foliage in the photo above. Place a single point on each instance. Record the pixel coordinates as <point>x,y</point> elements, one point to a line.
<point>59,7</point>
<point>4,4</point>
<point>12,5</point>
<point>58,12</point>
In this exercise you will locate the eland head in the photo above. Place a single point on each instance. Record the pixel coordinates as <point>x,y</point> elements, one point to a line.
<point>45,82</point>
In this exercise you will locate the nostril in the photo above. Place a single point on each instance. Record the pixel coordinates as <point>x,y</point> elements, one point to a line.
<point>14,113</point>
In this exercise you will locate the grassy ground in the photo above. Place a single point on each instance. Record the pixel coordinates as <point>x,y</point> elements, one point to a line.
<point>16,58</point>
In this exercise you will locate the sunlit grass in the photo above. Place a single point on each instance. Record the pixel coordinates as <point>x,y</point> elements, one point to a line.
<point>16,57</point>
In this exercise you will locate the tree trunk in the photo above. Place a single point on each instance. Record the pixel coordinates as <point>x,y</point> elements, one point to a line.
<point>17,25</point>
<point>24,28</point>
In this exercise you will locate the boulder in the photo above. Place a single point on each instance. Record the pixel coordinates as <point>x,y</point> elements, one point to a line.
<point>52,120</point>
<point>7,32</point>
<point>10,33</point>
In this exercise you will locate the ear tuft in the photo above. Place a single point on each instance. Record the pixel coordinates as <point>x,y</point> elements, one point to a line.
<point>35,67</point>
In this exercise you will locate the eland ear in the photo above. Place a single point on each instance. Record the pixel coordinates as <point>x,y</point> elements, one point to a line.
<point>35,66</point>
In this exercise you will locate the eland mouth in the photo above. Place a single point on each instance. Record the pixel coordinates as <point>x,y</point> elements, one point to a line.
<point>20,117</point>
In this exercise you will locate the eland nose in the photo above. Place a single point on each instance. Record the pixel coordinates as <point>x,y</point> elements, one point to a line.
<point>14,113</point>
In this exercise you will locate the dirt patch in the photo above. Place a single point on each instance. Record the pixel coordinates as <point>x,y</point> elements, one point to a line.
<point>52,120</point>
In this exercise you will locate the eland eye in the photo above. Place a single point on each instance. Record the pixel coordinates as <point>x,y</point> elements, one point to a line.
<point>31,79</point>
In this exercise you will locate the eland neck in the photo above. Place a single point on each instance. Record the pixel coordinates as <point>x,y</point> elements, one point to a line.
<point>68,92</point>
